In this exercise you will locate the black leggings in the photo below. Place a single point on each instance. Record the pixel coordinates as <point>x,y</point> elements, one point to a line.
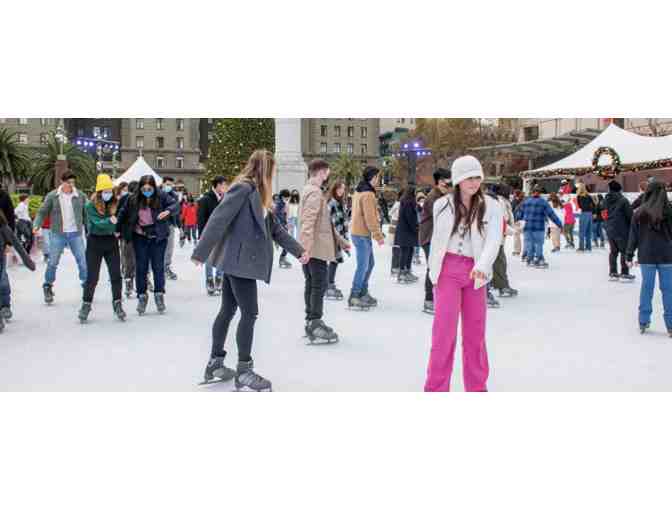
<point>236,293</point>
<point>406,258</point>
<point>333,266</point>
<point>97,249</point>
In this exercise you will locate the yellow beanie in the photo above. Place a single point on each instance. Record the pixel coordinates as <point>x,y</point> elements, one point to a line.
<point>104,183</point>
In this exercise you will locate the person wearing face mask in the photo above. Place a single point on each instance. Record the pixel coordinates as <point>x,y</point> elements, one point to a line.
<point>144,221</point>
<point>102,243</point>
<point>173,225</point>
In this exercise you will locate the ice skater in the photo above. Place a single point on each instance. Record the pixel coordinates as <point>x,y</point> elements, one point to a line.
<point>206,206</point>
<point>339,218</point>
<point>617,225</point>
<point>238,240</point>
<point>280,206</point>
<point>406,236</point>
<point>465,243</point>
<point>534,212</point>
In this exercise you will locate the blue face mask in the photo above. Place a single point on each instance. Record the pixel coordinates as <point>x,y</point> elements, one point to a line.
<point>107,196</point>
<point>147,193</point>
<point>167,189</point>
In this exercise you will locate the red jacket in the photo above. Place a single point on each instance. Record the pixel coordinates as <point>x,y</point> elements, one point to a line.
<point>189,215</point>
<point>569,214</point>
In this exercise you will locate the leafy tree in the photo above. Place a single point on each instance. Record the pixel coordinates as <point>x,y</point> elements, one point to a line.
<point>347,168</point>
<point>44,166</point>
<point>14,159</point>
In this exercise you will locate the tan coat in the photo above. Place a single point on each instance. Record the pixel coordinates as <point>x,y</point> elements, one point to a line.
<point>318,236</point>
<point>365,219</point>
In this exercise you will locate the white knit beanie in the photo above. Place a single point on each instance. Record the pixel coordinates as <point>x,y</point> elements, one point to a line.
<point>465,167</point>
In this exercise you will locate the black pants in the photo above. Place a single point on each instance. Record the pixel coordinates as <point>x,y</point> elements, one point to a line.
<point>316,274</point>
<point>333,266</point>
<point>97,249</point>
<point>406,258</point>
<point>429,288</point>
<point>24,231</point>
<point>236,293</point>
<point>617,246</point>
<point>500,279</point>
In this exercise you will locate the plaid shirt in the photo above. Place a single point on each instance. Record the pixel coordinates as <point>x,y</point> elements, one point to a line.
<point>340,221</point>
<point>534,211</point>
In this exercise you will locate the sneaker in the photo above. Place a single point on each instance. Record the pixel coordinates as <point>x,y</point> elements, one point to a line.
<point>247,378</point>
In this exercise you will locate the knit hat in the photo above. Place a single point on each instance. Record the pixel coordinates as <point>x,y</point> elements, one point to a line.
<point>464,168</point>
<point>104,183</point>
<point>615,187</point>
<point>369,173</point>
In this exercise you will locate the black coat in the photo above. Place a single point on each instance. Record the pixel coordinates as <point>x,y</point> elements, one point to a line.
<point>619,216</point>
<point>7,208</point>
<point>127,218</point>
<point>653,245</point>
<point>238,240</point>
<point>586,203</point>
<point>407,227</point>
<point>206,206</point>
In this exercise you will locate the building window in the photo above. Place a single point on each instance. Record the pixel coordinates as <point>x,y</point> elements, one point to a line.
<point>179,162</point>
<point>159,142</point>
<point>159,123</point>
<point>180,124</point>
<point>351,131</point>
<point>43,138</point>
<point>23,121</point>
<point>323,148</point>
<point>44,122</point>
<point>140,142</point>
<point>364,132</point>
<point>80,131</point>
<point>159,161</point>
<point>23,138</point>
<point>323,130</point>
<point>337,148</point>
<point>531,133</point>
<point>180,142</point>
<point>351,148</point>
<point>337,130</point>
<point>96,132</point>
<point>403,121</point>
<point>139,123</point>
<point>365,149</point>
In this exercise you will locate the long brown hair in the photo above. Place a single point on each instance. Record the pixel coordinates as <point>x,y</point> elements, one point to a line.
<point>259,172</point>
<point>334,188</point>
<point>101,205</point>
<point>476,211</point>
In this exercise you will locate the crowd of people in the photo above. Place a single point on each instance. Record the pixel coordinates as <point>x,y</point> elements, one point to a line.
<point>460,225</point>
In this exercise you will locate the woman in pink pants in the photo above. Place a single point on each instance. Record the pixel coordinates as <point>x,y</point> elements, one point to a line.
<point>465,243</point>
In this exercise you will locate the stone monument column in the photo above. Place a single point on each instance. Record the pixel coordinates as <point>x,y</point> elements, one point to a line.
<point>292,171</point>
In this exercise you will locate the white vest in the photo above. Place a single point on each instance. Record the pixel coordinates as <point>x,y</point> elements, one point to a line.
<point>485,247</point>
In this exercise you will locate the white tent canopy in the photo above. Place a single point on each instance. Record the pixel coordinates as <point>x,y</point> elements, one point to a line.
<point>137,170</point>
<point>630,147</point>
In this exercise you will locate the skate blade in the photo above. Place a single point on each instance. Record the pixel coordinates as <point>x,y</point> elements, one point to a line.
<point>245,389</point>
<point>427,312</point>
<point>359,308</point>
<point>321,342</point>
<point>214,381</point>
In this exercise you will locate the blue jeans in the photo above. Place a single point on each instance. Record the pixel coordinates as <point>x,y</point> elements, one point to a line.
<point>598,234</point>
<point>585,231</point>
<point>209,269</point>
<point>5,289</point>
<point>149,251</point>
<point>534,244</point>
<point>292,227</point>
<point>46,234</point>
<point>365,263</point>
<point>57,243</point>
<point>646,293</point>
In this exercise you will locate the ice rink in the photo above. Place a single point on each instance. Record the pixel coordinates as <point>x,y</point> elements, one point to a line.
<point>569,330</point>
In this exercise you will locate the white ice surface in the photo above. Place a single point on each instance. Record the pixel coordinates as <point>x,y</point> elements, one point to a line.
<point>569,330</point>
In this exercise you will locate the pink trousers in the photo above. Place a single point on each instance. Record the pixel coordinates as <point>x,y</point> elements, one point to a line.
<point>454,295</point>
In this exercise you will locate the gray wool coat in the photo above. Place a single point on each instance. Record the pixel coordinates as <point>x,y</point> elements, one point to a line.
<point>237,238</point>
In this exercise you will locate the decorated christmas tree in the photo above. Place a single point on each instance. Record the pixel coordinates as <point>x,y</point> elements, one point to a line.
<point>233,141</point>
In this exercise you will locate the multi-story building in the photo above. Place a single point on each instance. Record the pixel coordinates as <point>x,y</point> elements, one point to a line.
<point>390,125</point>
<point>329,138</point>
<point>31,131</point>
<point>170,146</point>
<point>543,128</point>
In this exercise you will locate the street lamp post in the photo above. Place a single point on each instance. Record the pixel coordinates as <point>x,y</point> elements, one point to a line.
<point>412,150</point>
<point>61,165</point>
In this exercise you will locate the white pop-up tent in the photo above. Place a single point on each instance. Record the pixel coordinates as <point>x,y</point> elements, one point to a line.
<point>632,150</point>
<point>137,170</point>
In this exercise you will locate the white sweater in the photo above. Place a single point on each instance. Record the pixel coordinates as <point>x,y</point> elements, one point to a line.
<point>485,247</point>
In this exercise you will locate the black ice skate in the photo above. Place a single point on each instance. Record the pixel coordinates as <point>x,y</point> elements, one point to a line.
<point>541,264</point>
<point>119,310</point>
<point>219,281</point>
<point>84,312</point>
<point>170,275</point>
<point>129,288</point>
<point>333,293</point>
<point>614,277</point>
<point>160,302</point>
<point>48,293</point>
<point>216,372</point>
<point>492,302</point>
<point>284,264</point>
<point>507,292</point>
<point>210,286</point>
<point>369,300</point>
<point>142,304</point>
<point>247,380</point>
<point>355,303</point>
<point>428,307</point>
<point>627,278</point>
<point>6,313</point>
<point>405,278</point>
<point>318,332</point>
<point>643,328</point>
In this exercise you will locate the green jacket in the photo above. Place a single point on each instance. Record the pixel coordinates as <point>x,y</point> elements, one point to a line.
<point>52,207</point>
<point>98,224</point>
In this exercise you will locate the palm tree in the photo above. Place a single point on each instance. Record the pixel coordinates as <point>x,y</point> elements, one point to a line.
<point>347,168</point>
<point>44,166</point>
<point>14,160</point>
